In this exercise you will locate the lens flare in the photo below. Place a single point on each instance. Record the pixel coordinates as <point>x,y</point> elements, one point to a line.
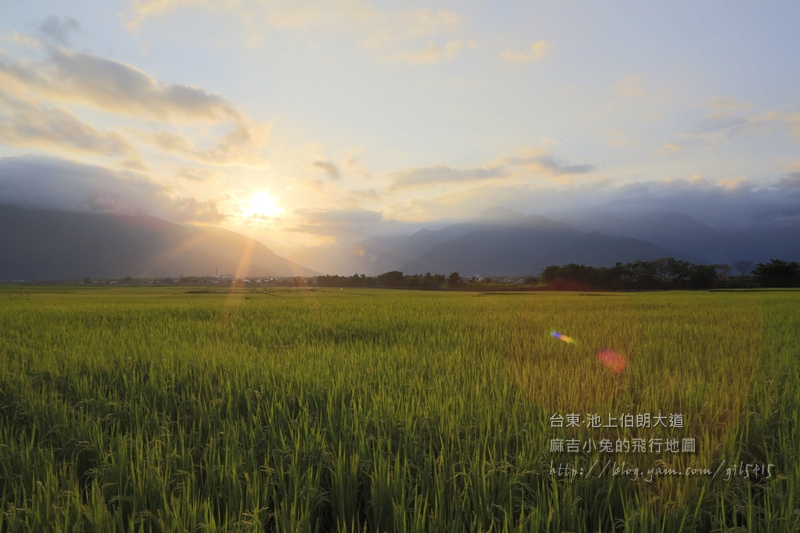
<point>563,337</point>
<point>612,360</point>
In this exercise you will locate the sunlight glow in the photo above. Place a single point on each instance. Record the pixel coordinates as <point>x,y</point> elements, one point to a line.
<point>261,205</point>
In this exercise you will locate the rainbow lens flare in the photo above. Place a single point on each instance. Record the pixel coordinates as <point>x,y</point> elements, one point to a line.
<point>563,337</point>
<point>612,360</point>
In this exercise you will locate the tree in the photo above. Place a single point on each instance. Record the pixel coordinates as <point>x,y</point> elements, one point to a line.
<point>744,267</point>
<point>777,273</point>
<point>550,273</point>
<point>391,279</point>
<point>670,272</point>
<point>702,276</point>
<point>723,271</point>
<point>454,280</point>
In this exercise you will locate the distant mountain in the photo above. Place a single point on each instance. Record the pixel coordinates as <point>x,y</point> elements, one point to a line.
<point>497,242</point>
<point>684,234</point>
<point>47,244</point>
<point>527,245</point>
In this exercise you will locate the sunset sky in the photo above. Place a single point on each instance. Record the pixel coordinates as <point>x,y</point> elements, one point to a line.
<point>304,123</point>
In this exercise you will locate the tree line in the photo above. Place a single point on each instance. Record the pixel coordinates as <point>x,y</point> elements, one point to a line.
<point>666,273</point>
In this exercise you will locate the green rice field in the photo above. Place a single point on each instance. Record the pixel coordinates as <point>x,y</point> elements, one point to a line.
<point>169,410</point>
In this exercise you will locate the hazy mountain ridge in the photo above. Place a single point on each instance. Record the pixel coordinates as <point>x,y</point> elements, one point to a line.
<point>530,246</point>
<point>49,244</point>
<point>497,242</point>
<point>684,234</point>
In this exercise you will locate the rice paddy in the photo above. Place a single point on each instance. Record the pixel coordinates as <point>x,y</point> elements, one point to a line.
<point>151,409</point>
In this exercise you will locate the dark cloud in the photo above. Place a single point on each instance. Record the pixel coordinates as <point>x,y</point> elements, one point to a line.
<point>438,174</point>
<point>49,183</point>
<point>332,170</point>
<point>790,180</point>
<point>58,29</point>
<point>722,204</point>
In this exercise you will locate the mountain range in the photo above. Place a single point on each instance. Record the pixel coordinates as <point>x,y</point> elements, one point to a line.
<point>48,244</point>
<point>503,242</point>
<point>498,242</point>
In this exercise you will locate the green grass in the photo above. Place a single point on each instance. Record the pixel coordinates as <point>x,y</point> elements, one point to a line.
<point>151,409</point>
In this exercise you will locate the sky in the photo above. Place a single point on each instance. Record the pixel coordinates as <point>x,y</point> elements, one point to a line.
<point>325,122</point>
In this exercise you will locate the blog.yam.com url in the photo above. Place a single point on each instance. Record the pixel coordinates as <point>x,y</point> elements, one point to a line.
<point>612,468</point>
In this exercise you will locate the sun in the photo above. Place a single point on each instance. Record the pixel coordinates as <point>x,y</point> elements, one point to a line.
<point>261,205</point>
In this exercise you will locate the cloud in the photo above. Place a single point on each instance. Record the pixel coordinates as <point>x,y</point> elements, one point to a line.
<point>790,180</point>
<point>354,166</point>
<point>197,175</point>
<point>727,104</point>
<point>58,29</point>
<point>44,182</point>
<point>731,184</point>
<point>713,129</point>
<point>720,124</point>
<point>309,14</point>
<point>618,138</point>
<point>332,170</point>
<point>790,119</point>
<point>629,86</point>
<point>673,147</point>
<point>116,87</point>
<point>369,194</point>
<point>232,149</point>
<point>24,124</point>
<point>542,162</point>
<point>377,30</point>
<point>124,90</point>
<point>727,202</point>
<point>537,52</point>
<point>439,174</point>
<point>340,223</point>
<point>430,55</point>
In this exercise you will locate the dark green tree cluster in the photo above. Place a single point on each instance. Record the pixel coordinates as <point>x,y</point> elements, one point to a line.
<point>777,273</point>
<point>346,281</point>
<point>661,274</point>
<point>666,273</point>
<point>394,279</point>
